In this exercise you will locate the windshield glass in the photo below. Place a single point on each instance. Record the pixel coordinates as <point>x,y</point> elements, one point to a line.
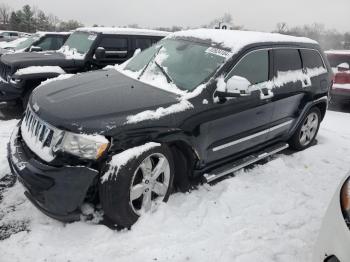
<point>183,63</point>
<point>27,43</point>
<point>79,42</point>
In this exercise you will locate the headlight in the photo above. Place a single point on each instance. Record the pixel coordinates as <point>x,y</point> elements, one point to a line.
<point>84,146</point>
<point>345,201</point>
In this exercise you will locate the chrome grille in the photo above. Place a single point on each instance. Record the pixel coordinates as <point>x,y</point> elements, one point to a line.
<point>5,71</point>
<point>39,136</point>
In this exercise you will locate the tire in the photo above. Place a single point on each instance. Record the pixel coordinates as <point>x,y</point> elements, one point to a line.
<point>307,130</point>
<point>121,205</point>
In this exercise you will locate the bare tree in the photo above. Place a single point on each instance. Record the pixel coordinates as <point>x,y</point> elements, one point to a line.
<point>281,27</point>
<point>5,13</point>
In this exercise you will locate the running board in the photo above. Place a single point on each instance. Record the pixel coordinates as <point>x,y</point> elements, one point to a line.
<point>243,162</point>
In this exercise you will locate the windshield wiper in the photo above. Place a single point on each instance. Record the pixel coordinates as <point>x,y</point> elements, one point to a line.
<point>149,62</point>
<point>167,76</point>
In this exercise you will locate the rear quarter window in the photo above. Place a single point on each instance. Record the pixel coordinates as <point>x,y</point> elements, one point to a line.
<point>311,59</point>
<point>114,43</point>
<point>287,59</point>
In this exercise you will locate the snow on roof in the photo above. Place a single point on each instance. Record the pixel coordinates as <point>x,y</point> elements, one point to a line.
<point>236,39</point>
<point>338,52</point>
<point>123,31</point>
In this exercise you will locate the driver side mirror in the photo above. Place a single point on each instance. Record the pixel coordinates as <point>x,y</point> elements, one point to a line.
<point>35,49</point>
<point>236,86</point>
<point>100,53</point>
<point>343,67</point>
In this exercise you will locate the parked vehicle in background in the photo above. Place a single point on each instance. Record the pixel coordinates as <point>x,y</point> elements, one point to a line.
<point>40,41</point>
<point>333,241</point>
<point>340,63</point>
<point>13,43</point>
<point>9,35</point>
<point>86,49</point>
<point>198,105</point>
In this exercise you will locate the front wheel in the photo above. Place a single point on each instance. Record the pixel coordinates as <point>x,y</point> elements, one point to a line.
<point>138,186</point>
<point>307,130</point>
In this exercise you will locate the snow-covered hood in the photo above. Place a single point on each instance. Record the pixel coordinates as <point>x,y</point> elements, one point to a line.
<point>97,101</point>
<point>4,51</point>
<point>21,60</point>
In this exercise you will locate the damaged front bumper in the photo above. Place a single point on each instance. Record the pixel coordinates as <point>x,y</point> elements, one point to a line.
<point>58,192</point>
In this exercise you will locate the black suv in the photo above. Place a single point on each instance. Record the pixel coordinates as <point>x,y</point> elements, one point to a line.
<point>86,49</point>
<point>198,105</point>
<point>40,41</point>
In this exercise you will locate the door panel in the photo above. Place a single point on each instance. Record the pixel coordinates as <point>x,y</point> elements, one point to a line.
<point>240,123</point>
<point>288,96</point>
<point>237,126</point>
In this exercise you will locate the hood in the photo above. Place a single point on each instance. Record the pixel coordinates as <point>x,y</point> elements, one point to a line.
<point>96,101</point>
<point>21,60</point>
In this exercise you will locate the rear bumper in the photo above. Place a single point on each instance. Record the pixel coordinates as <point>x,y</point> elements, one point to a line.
<point>56,191</point>
<point>339,94</point>
<point>334,237</point>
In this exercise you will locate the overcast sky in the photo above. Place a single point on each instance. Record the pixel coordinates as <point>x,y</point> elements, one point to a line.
<point>252,14</point>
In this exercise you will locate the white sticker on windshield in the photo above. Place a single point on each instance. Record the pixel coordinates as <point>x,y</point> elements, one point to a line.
<point>219,52</point>
<point>92,37</point>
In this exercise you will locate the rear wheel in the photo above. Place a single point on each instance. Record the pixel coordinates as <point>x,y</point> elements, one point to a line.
<point>138,187</point>
<point>306,132</point>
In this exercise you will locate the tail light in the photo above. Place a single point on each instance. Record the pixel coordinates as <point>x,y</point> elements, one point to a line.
<point>342,78</point>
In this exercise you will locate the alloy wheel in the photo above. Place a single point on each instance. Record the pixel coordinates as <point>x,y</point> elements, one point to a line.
<point>150,183</point>
<point>308,129</point>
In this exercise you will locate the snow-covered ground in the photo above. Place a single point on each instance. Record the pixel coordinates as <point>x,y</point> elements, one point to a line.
<point>270,212</point>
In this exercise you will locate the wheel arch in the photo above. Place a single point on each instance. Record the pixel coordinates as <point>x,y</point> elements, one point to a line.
<point>185,159</point>
<point>322,106</point>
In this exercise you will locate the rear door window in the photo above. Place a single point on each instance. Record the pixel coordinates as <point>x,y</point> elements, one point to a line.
<point>287,60</point>
<point>311,59</point>
<point>116,47</point>
<point>113,43</point>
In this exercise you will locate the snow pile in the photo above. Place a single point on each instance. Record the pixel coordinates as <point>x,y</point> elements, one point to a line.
<point>295,76</point>
<point>124,157</point>
<point>183,105</point>
<point>71,53</point>
<point>123,31</point>
<point>282,78</point>
<point>270,212</point>
<point>39,69</point>
<point>236,39</point>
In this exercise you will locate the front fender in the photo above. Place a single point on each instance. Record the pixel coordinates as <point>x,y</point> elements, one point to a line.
<point>136,137</point>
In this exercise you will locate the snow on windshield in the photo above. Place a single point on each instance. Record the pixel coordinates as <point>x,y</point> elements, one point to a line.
<point>78,45</point>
